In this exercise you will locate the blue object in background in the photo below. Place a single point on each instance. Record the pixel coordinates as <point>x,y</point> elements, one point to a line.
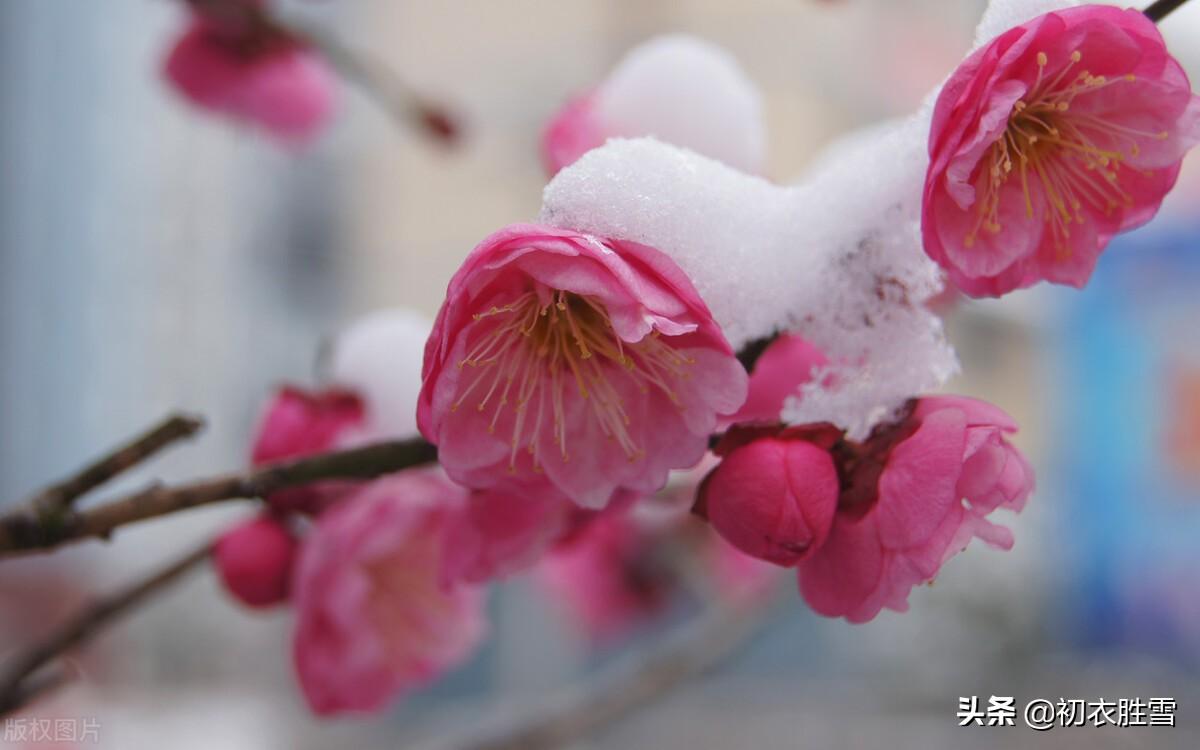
<point>1128,396</point>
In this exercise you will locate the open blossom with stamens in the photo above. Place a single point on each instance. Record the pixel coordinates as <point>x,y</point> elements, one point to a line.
<point>1049,140</point>
<point>575,366</point>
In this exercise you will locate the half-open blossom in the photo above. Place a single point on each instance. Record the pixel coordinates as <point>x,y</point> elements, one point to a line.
<point>914,494</point>
<point>772,496</point>
<point>375,614</point>
<point>573,366</point>
<point>677,88</point>
<point>1049,140</point>
<point>251,70</point>
<point>254,561</point>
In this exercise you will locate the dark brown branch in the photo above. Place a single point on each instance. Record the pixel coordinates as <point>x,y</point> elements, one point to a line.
<point>59,497</point>
<point>23,530</point>
<point>24,680</point>
<point>685,654</point>
<point>1161,9</point>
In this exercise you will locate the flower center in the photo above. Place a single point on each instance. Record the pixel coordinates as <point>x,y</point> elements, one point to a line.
<point>538,350</point>
<point>1076,156</point>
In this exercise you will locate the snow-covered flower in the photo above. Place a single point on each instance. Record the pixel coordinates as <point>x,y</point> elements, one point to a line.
<point>1049,140</point>
<point>566,365</point>
<point>677,88</point>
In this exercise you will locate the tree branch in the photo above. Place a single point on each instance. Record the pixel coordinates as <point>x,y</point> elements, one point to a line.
<point>23,530</point>
<point>691,651</point>
<point>60,496</point>
<point>23,681</point>
<point>1160,9</point>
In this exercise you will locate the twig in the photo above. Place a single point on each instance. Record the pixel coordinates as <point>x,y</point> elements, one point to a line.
<point>688,653</point>
<point>60,496</point>
<point>21,530</point>
<point>1160,9</point>
<point>20,684</point>
<point>382,83</point>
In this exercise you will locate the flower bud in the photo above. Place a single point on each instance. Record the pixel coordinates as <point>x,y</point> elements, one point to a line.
<point>773,498</point>
<point>254,562</point>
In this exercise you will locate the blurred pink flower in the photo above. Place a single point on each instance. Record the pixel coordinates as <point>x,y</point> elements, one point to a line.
<point>677,88</point>
<point>583,367</point>
<point>1049,140</point>
<point>609,577</point>
<point>772,496</point>
<point>298,423</point>
<point>572,132</point>
<point>255,72</point>
<point>622,567</point>
<point>376,614</point>
<point>254,561</point>
<point>498,534</point>
<point>914,494</point>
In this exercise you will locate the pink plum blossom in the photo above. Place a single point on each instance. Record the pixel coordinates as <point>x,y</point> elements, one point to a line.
<point>1049,140</point>
<point>253,71</point>
<point>298,423</point>
<point>608,578</point>
<point>254,561</point>
<point>564,365</point>
<point>914,494</point>
<point>573,131</point>
<point>622,569</point>
<point>375,613</point>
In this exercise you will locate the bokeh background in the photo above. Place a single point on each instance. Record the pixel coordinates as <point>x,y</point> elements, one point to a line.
<point>154,258</point>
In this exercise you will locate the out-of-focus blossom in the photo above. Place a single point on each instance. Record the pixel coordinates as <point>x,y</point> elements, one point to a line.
<point>375,613</point>
<point>298,423</point>
<point>499,534</point>
<point>564,365</point>
<point>610,577</point>
<point>914,494</point>
<point>772,496</point>
<point>254,561</point>
<point>619,570</point>
<point>251,70</point>
<point>679,89</point>
<point>1049,140</point>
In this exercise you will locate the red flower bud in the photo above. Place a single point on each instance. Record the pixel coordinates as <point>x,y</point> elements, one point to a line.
<point>773,498</point>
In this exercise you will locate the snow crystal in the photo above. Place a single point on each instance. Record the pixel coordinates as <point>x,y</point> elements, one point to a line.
<point>686,91</point>
<point>379,357</point>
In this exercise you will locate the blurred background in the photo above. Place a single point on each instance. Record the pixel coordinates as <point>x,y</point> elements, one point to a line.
<point>153,258</point>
